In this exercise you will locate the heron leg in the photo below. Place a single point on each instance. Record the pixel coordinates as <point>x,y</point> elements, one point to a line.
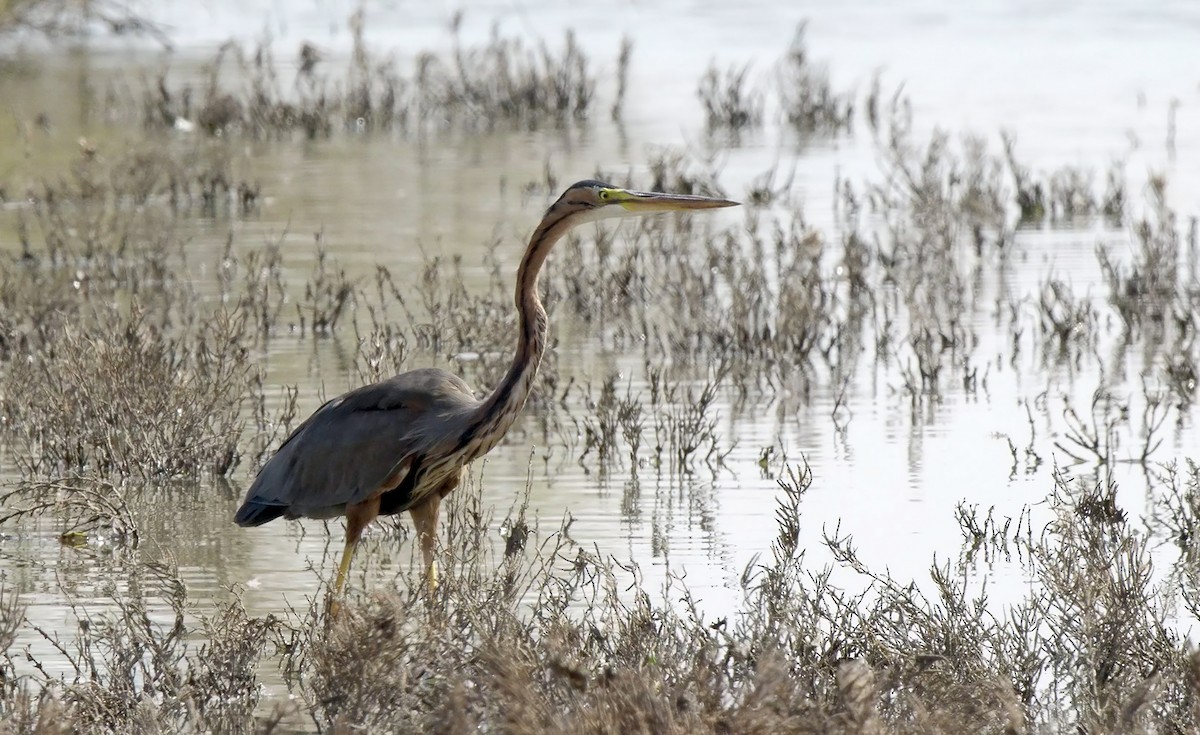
<point>344,567</point>
<point>358,515</point>
<point>425,519</point>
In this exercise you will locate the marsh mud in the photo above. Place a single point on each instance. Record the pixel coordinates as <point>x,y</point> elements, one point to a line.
<point>961,294</point>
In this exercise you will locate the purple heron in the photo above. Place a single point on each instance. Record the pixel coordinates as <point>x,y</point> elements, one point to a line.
<point>401,444</point>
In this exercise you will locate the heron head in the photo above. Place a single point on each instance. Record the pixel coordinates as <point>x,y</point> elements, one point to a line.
<point>595,200</point>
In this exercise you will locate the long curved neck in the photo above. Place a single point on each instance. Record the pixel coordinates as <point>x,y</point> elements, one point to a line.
<point>497,412</point>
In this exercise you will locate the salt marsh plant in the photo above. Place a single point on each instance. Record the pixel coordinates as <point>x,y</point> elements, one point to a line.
<point>87,507</point>
<point>733,99</point>
<point>59,19</point>
<point>1069,323</point>
<point>112,362</point>
<point>131,400</point>
<point>552,637</point>
<point>1145,292</point>
<point>623,59</point>
<point>1063,194</point>
<point>500,83</point>
<point>810,104</point>
<point>134,667</point>
<point>729,103</point>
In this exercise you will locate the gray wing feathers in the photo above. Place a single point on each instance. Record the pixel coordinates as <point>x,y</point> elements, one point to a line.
<point>352,445</point>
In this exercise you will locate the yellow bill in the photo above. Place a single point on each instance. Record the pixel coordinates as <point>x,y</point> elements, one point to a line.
<point>652,201</point>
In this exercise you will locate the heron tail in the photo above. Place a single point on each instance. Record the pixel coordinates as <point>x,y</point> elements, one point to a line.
<point>254,513</point>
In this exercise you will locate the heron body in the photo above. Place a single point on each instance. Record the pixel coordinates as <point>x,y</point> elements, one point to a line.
<point>400,444</point>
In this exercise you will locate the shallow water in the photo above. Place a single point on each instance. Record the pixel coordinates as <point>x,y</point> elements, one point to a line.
<point>1079,85</point>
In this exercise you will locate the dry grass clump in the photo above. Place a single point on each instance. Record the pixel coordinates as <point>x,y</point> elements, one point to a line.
<point>111,211</point>
<point>733,101</point>
<point>503,82</point>
<point>500,83</point>
<point>728,103</point>
<point>1145,292</point>
<point>109,359</point>
<point>69,18</point>
<point>1175,510</point>
<point>810,103</point>
<point>669,428</point>
<point>1099,613</point>
<point>1068,322</point>
<point>801,657</point>
<point>539,635</point>
<point>143,664</point>
<point>110,362</point>
<point>1063,195</point>
<point>87,507</point>
<point>132,401</point>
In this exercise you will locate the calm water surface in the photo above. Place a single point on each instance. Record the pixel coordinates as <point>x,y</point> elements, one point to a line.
<point>1081,84</point>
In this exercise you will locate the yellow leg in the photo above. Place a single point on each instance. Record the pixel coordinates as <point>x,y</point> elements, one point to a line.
<point>344,567</point>
<point>425,518</point>
<point>357,518</point>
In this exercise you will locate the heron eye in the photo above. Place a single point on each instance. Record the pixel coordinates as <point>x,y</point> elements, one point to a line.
<point>604,194</point>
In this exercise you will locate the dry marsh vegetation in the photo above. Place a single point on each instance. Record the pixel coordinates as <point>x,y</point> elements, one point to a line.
<point>118,374</point>
<point>500,83</point>
<point>71,18</point>
<point>541,635</point>
<point>734,99</point>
